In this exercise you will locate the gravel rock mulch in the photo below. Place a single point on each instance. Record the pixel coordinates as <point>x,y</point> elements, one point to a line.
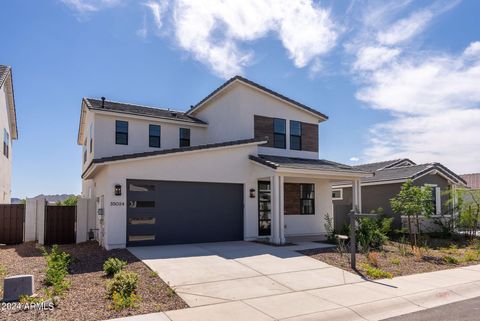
<point>86,299</point>
<point>391,260</point>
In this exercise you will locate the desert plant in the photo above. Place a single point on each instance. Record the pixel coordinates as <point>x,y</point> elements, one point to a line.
<point>329,228</point>
<point>123,282</point>
<point>3,271</point>
<point>121,301</point>
<point>57,270</point>
<point>418,253</point>
<point>470,256</point>
<point>113,265</point>
<point>375,273</point>
<point>372,258</point>
<point>395,261</point>
<point>369,234</point>
<point>153,274</point>
<point>451,259</point>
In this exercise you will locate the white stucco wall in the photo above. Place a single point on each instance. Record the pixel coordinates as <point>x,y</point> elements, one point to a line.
<point>138,135</point>
<point>230,117</point>
<point>5,163</point>
<point>311,224</point>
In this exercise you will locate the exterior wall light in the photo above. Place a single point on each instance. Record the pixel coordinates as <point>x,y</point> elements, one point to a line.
<point>118,190</point>
<point>252,193</point>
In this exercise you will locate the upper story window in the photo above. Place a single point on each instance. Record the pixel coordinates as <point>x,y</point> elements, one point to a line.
<point>154,136</point>
<point>184,137</point>
<point>295,135</point>
<point>121,132</point>
<point>279,133</point>
<point>91,138</point>
<point>6,143</point>
<point>85,150</point>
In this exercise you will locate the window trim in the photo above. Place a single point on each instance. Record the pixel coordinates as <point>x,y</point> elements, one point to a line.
<point>438,198</point>
<point>275,133</point>
<point>150,136</point>
<point>341,194</point>
<point>296,136</point>
<point>309,199</point>
<point>117,122</point>
<point>6,143</point>
<point>184,139</point>
<point>91,138</point>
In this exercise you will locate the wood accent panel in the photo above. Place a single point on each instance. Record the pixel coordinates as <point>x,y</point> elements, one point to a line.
<point>310,137</point>
<point>12,217</point>
<point>60,224</point>
<point>291,198</point>
<point>263,129</point>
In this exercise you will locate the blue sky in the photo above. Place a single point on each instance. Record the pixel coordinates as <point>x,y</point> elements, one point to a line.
<point>397,78</point>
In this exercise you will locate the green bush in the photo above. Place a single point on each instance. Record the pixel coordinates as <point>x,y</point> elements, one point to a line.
<point>375,273</point>
<point>57,270</point>
<point>372,233</point>
<point>113,265</point>
<point>124,283</point>
<point>121,301</point>
<point>451,259</point>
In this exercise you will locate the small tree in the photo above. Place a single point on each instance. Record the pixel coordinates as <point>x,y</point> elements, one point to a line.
<point>466,202</point>
<point>70,201</point>
<point>413,201</point>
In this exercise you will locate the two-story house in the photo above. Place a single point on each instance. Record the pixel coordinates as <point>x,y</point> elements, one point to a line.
<point>8,132</point>
<point>241,164</point>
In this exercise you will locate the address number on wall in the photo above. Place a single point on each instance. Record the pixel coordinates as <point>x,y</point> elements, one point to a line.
<point>117,203</point>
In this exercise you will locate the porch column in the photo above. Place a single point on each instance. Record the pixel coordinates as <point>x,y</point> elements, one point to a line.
<point>357,196</point>
<point>275,204</point>
<point>281,205</point>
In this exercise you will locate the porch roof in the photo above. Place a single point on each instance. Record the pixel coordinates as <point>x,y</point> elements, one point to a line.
<point>305,164</point>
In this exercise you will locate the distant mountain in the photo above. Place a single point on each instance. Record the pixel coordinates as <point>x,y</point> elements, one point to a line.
<point>50,198</point>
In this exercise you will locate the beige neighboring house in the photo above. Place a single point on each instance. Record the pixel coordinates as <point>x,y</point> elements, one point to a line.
<point>241,164</point>
<point>473,180</point>
<point>8,132</point>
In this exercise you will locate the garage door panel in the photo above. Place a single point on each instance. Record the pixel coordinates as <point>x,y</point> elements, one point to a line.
<point>187,212</point>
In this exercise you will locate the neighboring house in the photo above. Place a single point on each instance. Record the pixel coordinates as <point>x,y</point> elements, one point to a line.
<point>473,180</point>
<point>241,164</point>
<point>386,183</point>
<point>8,132</point>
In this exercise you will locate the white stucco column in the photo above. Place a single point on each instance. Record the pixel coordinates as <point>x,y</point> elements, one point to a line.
<point>356,195</point>
<point>275,202</point>
<point>282,209</point>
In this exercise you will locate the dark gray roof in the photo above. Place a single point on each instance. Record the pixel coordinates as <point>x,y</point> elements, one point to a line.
<point>372,167</point>
<point>4,71</point>
<point>274,93</point>
<point>126,108</point>
<point>407,172</point>
<point>303,163</point>
<point>171,151</point>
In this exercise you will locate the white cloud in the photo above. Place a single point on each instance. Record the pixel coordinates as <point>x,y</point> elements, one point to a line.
<point>370,58</point>
<point>406,28</point>
<point>216,32</point>
<point>354,159</point>
<point>158,10</point>
<point>86,6</point>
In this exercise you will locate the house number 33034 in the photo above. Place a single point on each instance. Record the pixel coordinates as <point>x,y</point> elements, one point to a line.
<point>117,204</point>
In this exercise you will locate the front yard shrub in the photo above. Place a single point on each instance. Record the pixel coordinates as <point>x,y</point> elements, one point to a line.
<point>375,273</point>
<point>57,270</point>
<point>451,259</point>
<point>372,257</point>
<point>395,261</point>
<point>418,253</point>
<point>3,271</point>
<point>470,256</point>
<point>370,233</point>
<point>113,265</point>
<point>122,289</point>
<point>329,228</point>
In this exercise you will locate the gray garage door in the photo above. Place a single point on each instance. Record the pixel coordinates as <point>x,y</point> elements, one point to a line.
<point>168,212</point>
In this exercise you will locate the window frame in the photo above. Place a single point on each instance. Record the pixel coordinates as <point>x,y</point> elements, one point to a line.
<point>85,151</point>
<point>117,132</point>
<point>280,134</point>
<point>183,139</point>
<point>299,136</point>
<point>302,199</point>
<point>91,138</point>
<point>150,135</point>
<point>341,194</point>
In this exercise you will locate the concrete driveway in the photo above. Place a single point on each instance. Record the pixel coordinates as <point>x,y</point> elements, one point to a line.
<point>209,273</point>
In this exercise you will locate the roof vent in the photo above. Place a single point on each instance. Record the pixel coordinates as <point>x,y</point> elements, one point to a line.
<point>174,115</point>
<point>103,102</point>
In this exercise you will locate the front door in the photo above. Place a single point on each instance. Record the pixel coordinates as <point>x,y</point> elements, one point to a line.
<point>264,208</point>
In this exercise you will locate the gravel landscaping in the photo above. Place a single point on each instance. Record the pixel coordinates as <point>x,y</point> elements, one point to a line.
<point>86,298</point>
<point>398,258</point>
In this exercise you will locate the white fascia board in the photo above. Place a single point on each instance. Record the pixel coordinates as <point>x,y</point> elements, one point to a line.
<point>83,114</point>
<point>134,116</point>
<point>341,175</point>
<point>439,172</point>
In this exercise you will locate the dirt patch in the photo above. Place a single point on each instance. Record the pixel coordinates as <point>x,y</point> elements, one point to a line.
<point>86,299</point>
<point>398,258</point>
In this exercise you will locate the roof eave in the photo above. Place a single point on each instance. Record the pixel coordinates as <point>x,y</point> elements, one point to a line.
<point>12,112</point>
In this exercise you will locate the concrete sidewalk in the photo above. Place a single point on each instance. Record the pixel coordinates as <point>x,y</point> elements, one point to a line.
<point>243,281</point>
